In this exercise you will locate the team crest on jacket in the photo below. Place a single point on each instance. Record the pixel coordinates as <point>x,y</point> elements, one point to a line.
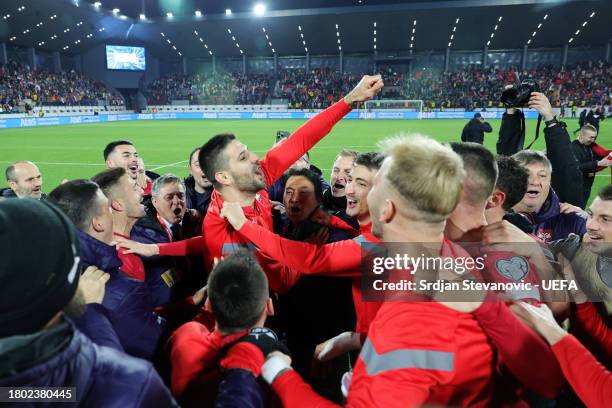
<point>515,268</point>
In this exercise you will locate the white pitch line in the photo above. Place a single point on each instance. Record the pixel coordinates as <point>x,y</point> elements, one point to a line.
<point>169,165</point>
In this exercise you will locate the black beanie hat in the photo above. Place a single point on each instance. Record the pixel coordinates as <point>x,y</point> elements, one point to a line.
<point>39,267</point>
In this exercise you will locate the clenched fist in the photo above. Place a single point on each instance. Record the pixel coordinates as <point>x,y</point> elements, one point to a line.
<point>365,90</point>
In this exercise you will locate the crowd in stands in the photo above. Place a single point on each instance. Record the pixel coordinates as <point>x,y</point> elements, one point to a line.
<point>213,89</point>
<point>20,84</point>
<point>473,88</point>
<point>137,289</point>
<point>581,85</point>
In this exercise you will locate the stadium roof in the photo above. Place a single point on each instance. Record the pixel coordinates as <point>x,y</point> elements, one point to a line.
<point>201,28</point>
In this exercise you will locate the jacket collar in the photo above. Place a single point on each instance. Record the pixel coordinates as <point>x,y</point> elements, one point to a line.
<point>95,252</point>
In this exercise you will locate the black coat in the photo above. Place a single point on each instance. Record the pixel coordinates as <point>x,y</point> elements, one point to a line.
<point>587,163</point>
<point>474,131</point>
<point>566,175</point>
<point>511,134</point>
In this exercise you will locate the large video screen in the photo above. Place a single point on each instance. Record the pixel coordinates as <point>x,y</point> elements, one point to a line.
<point>125,58</point>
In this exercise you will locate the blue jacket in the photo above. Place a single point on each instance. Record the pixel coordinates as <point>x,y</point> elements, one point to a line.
<point>126,300</point>
<point>102,377</point>
<point>239,389</point>
<point>550,225</point>
<point>168,278</point>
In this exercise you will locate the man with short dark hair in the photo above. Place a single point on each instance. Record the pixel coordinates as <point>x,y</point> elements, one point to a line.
<point>122,153</point>
<point>39,344</point>
<point>588,159</point>
<point>127,301</point>
<point>125,200</point>
<point>509,190</point>
<point>541,204</point>
<point>239,299</point>
<point>24,181</point>
<point>198,186</point>
<point>475,129</point>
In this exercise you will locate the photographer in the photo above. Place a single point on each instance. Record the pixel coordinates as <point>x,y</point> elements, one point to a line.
<point>475,129</point>
<point>566,174</point>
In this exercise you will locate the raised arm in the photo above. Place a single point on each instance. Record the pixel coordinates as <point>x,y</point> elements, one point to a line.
<point>282,156</point>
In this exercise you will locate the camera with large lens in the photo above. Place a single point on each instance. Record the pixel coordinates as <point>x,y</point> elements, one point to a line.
<point>518,96</point>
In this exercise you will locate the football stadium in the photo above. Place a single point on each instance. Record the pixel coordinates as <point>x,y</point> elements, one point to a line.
<point>267,203</point>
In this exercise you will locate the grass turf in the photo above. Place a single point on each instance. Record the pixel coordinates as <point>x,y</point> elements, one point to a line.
<point>75,151</point>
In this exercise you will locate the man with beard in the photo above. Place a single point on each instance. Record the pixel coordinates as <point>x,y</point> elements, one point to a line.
<point>198,187</point>
<point>122,153</point>
<point>239,176</point>
<point>39,344</point>
<point>589,160</point>
<point>24,181</point>
<point>541,204</point>
<point>166,221</point>
<point>334,198</point>
<point>342,258</point>
<point>125,199</point>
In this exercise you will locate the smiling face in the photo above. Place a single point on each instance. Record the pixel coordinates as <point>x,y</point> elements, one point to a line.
<point>537,189</point>
<point>300,199</point>
<point>599,227</point>
<point>244,168</point>
<point>340,172</point>
<point>124,156</point>
<point>170,202</point>
<point>357,189</point>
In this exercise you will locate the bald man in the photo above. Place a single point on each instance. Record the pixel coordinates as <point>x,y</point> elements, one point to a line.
<point>24,181</point>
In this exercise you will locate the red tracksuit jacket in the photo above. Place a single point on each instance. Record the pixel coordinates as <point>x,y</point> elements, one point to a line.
<point>219,238</point>
<point>416,353</point>
<point>341,258</point>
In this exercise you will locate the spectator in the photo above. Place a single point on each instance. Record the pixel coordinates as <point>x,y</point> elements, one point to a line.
<point>24,181</point>
<point>588,159</point>
<point>34,292</point>
<point>475,129</point>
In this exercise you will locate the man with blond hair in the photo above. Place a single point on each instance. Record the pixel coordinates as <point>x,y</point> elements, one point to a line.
<point>415,353</point>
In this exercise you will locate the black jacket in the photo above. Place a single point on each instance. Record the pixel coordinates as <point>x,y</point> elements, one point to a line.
<point>593,118</point>
<point>566,173</point>
<point>191,197</point>
<point>474,131</point>
<point>511,134</point>
<point>587,163</point>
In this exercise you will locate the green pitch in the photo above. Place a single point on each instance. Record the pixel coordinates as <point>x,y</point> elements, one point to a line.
<point>75,151</point>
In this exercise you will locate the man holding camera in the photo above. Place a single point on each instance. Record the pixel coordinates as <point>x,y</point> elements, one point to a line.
<point>475,129</point>
<point>566,175</point>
